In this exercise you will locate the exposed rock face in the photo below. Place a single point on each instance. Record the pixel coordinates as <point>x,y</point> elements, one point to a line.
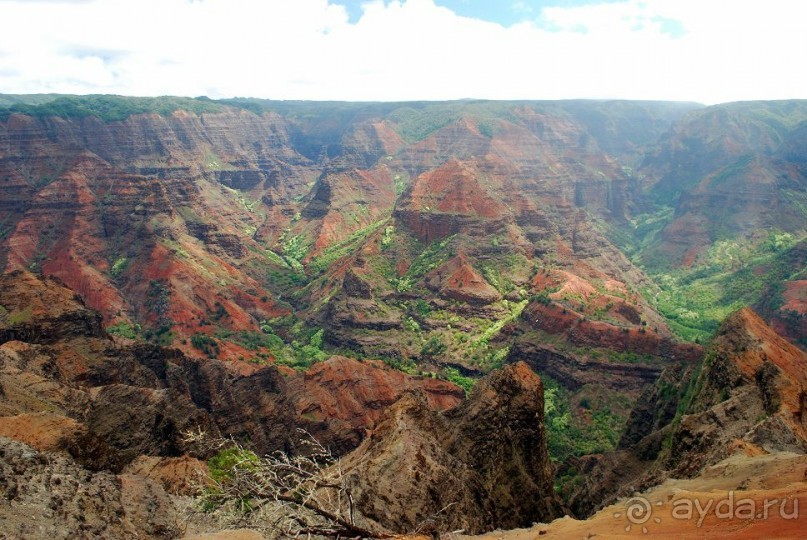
<point>120,211</point>
<point>110,403</point>
<point>354,286</point>
<point>448,200</point>
<point>457,280</point>
<point>340,399</point>
<point>478,466</point>
<point>752,387</point>
<point>629,337</point>
<point>784,304</point>
<point>50,496</point>
<point>178,476</point>
<point>733,170</point>
<point>574,372</point>
<point>80,195</point>
<point>55,311</point>
<point>748,392</point>
<point>126,409</point>
<point>49,432</point>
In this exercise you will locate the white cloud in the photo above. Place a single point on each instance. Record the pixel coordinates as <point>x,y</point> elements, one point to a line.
<point>412,49</point>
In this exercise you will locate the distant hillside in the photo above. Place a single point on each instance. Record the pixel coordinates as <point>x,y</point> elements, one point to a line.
<point>442,237</point>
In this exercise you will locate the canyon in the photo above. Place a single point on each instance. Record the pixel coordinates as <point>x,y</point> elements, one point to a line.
<point>388,279</point>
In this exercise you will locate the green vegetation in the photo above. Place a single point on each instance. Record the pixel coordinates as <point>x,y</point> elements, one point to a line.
<point>337,251</point>
<point>407,365</point>
<point>416,121</point>
<point>487,129</point>
<point>158,295</point>
<point>494,358</point>
<point>110,108</point>
<point>430,258</point>
<point>189,216</point>
<point>400,183</point>
<point>421,307</point>
<point>20,316</point>
<point>411,324</point>
<point>206,344</point>
<point>453,375</point>
<point>495,328</point>
<point>304,349</point>
<point>386,239</point>
<point>125,329</point>
<point>642,232</point>
<point>432,348</point>
<point>542,298</point>
<point>734,274</point>
<point>276,259</point>
<point>415,124</point>
<point>227,462</point>
<point>295,248</point>
<point>567,434</point>
<point>118,267</point>
<point>160,335</point>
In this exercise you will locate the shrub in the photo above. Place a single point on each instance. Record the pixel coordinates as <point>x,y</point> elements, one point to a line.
<point>453,375</point>
<point>206,344</point>
<point>542,298</point>
<point>20,316</point>
<point>228,461</point>
<point>125,330</point>
<point>432,348</point>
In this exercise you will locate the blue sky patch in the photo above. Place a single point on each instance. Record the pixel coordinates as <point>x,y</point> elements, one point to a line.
<point>504,12</point>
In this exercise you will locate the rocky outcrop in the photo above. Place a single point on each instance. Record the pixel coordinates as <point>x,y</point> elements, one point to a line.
<point>751,387</point>
<point>43,311</point>
<point>178,475</point>
<point>748,392</point>
<point>112,403</point>
<point>457,280</point>
<point>449,200</point>
<point>354,286</point>
<point>339,400</point>
<point>784,304</point>
<point>580,331</point>
<point>48,495</point>
<point>573,371</point>
<point>478,466</point>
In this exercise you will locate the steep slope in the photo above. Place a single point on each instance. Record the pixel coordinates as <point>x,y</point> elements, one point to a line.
<point>106,402</point>
<point>140,217</point>
<point>749,373</point>
<point>187,220</point>
<point>459,469</point>
<point>713,448</point>
<point>491,205</point>
<point>50,496</point>
<point>729,186</point>
<point>747,394</point>
<point>115,422</point>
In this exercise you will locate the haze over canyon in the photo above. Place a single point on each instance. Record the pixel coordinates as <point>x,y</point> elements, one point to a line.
<point>255,319</point>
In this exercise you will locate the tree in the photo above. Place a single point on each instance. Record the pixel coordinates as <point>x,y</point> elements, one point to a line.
<point>293,495</point>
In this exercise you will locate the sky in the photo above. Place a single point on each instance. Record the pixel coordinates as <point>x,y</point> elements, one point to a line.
<point>708,51</point>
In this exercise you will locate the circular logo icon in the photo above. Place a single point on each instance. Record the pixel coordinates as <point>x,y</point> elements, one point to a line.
<point>638,511</point>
